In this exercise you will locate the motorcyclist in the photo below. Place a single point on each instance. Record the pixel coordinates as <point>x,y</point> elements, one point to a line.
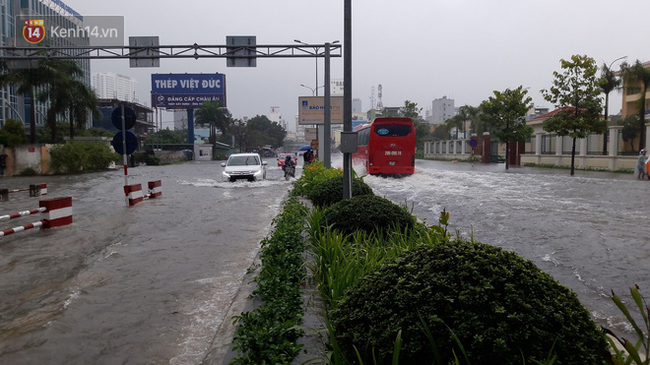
<point>289,164</point>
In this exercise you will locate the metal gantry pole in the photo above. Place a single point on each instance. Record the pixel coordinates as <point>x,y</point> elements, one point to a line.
<point>347,95</point>
<point>327,128</point>
<point>125,158</point>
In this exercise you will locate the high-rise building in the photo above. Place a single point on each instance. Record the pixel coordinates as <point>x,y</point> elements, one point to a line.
<point>108,85</point>
<point>441,110</point>
<point>16,106</point>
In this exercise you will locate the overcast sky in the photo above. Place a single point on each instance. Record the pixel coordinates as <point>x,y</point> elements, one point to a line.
<point>418,50</point>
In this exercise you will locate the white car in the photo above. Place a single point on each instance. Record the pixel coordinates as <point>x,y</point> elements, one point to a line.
<point>244,166</point>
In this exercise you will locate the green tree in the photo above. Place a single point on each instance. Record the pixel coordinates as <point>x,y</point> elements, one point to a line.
<point>265,132</point>
<point>505,112</point>
<point>630,129</point>
<point>422,134</point>
<point>163,136</point>
<point>576,91</point>
<point>66,93</point>
<point>26,81</point>
<point>12,133</point>
<point>637,79</point>
<point>441,132</point>
<point>608,82</point>
<point>455,123</point>
<point>214,115</point>
<point>410,110</point>
<point>97,132</point>
<point>243,136</point>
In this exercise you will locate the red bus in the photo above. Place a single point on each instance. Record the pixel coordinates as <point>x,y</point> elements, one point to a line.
<point>386,146</point>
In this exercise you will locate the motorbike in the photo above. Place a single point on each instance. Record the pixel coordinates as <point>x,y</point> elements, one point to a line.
<point>289,172</point>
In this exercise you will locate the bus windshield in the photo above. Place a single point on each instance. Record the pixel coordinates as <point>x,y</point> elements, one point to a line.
<point>392,130</point>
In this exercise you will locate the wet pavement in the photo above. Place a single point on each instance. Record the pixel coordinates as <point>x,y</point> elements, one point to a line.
<point>131,285</point>
<point>156,283</point>
<point>590,231</point>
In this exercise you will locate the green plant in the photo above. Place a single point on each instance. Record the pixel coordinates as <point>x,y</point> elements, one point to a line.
<point>28,171</point>
<point>268,334</point>
<point>368,213</point>
<point>74,157</point>
<point>638,352</point>
<point>330,191</point>
<point>312,175</point>
<point>99,156</point>
<point>12,133</point>
<point>500,306</point>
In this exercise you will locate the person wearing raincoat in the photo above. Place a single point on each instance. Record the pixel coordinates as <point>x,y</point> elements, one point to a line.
<point>640,165</point>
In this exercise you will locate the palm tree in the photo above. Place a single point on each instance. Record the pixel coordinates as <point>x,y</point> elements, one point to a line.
<point>608,82</point>
<point>26,81</point>
<point>84,100</point>
<point>64,92</point>
<point>637,74</point>
<point>216,117</point>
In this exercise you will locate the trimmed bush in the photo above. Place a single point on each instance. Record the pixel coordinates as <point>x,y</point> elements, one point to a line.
<point>367,213</point>
<point>502,308</point>
<point>74,157</point>
<point>330,191</point>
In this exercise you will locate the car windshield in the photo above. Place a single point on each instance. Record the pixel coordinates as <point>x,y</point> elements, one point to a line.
<point>243,161</point>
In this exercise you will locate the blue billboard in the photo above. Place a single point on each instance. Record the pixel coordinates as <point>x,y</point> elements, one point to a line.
<point>187,91</point>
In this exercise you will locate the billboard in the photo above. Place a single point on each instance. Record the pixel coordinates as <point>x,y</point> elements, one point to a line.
<point>187,91</point>
<point>311,110</point>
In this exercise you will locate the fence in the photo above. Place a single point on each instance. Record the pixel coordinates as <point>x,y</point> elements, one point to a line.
<point>57,211</point>
<point>34,191</point>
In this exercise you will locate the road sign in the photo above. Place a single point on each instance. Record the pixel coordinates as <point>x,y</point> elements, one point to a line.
<point>131,143</point>
<point>145,57</point>
<point>241,51</point>
<point>129,118</point>
<point>473,142</point>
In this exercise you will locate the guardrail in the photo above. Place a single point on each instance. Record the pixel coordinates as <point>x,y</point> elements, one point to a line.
<point>34,191</point>
<point>135,195</point>
<point>58,212</point>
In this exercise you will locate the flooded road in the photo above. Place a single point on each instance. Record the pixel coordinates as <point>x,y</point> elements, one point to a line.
<point>590,231</point>
<point>153,283</point>
<point>146,284</point>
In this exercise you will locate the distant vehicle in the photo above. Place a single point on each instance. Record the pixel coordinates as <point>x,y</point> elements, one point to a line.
<point>386,146</point>
<point>283,156</point>
<point>247,166</point>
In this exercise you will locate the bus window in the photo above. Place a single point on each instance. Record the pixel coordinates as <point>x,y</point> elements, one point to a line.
<point>392,130</point>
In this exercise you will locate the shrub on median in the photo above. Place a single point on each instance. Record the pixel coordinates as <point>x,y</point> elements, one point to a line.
<point>368,213</point>
<point>330,191</point>
<point>501,307</point>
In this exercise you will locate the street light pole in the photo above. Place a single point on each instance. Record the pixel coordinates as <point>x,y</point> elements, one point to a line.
<point>347,94</point>
<point>312,89</point>
<point>316,58</point>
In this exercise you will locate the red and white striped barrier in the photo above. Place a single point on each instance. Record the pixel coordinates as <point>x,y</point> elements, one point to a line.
<point>135,195</point>
<point>34,191</point>
<point>58,212</point>
<point>155,189</point>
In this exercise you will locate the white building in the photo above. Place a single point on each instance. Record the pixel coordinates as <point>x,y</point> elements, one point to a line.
<point>441,110</point>
<point>108,85</point>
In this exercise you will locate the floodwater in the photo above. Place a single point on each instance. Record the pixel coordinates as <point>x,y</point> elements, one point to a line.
<point>148,284</point>
<point>153,283</point>
<point>590,231</point>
